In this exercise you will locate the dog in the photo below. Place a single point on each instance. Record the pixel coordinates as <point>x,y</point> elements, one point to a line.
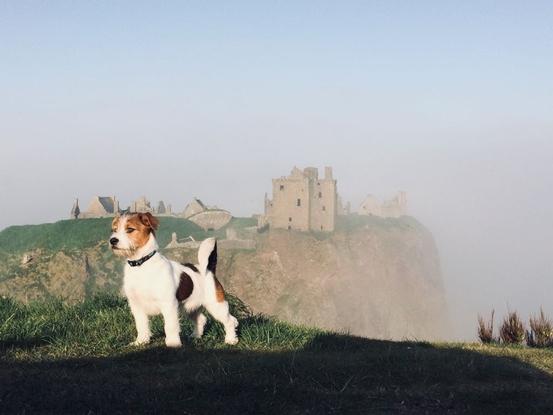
<point>156,285</point>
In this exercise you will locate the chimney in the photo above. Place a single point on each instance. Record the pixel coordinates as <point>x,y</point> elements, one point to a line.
<point>328,173</point>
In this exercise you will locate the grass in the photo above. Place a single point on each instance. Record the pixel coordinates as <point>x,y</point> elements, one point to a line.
<point>349,223</point>
<point>56,358</point>
<point>86,233</point>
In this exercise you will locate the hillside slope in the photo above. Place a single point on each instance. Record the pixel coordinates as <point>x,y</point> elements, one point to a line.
<point>373,277</point>
<point>56,358</point>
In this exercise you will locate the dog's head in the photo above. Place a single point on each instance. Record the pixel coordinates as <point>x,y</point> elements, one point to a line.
<point>131,231</point>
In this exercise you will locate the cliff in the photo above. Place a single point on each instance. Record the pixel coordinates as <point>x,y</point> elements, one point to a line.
<point>374,277</point>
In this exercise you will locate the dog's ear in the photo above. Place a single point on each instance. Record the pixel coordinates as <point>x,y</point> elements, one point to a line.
<point>115,221</point>
<point>149,220</point>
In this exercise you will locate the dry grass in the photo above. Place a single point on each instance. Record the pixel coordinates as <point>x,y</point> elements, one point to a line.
<point>485,330</point>
<point>512,331</point>
<point>541,331</point>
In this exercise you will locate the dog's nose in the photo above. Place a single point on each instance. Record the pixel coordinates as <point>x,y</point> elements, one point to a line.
<point>113,241</point>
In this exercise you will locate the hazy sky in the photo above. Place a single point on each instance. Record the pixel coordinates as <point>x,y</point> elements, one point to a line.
<point>452,102</point>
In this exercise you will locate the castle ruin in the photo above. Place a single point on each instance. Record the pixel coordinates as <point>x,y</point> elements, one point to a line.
<point>143,205</point>
<point>99,207</point>
<point>393,208</point>
<point>302,201</point>
<point>207,217</point>
<point>106,206</point>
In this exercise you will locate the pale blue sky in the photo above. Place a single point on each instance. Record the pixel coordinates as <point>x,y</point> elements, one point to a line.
<point>451,101</point>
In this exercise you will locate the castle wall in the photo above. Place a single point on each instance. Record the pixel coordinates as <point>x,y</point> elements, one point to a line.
<point>194,207</point>
<point>285,212</point>
<point>371,206</point>
<point>141,205</point>
<point>393,208</point>
<point>211,219</point>
<point>323,205</point>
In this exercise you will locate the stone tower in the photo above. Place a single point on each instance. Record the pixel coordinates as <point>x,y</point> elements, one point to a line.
<point>303,201</point>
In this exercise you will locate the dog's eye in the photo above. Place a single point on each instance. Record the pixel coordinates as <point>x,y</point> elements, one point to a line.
<point>130,230</point>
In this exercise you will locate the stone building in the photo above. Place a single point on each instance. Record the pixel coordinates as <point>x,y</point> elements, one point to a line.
<point>302,201</point>
<point>392,208</point>
<point>103,206</point>
<point>195,206</point>
<point>343,209</point>
<point>99,207</point>
<point>162,209</point>
<point>141,205</point>
<point>207,217</point>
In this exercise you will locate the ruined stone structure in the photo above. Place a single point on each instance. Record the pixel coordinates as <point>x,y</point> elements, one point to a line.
<point>209,218</point>
<point>162,209</point>
<point>232,241</point>
<point>99,207</point>
<point>188,243</point>
<point>75,210</point>
<point>302,201</point>
<point>141,205</point>
<point>195,206</point>
<point>393,208</point>
<point>105,206</point>
<point>343,210</point>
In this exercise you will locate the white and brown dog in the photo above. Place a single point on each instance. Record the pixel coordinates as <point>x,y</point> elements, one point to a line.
<point>155,285</point>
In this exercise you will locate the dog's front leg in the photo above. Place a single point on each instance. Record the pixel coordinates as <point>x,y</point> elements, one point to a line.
<point>142,324</point>
<point>170,313</point>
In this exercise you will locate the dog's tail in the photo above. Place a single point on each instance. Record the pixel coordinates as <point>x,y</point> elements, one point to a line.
<point>207,256</point>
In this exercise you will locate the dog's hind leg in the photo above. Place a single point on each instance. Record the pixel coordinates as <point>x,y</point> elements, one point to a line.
<point>220,311</point>
<point>199,319</point>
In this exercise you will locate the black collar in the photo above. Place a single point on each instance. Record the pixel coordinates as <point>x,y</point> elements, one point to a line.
<point>140,261</point>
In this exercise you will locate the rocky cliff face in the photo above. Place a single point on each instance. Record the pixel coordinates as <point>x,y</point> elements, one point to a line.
<point>371,281</point>
<point>378,279</point>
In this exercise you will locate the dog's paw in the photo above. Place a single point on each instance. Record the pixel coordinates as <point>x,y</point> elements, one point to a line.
<point>139,342</point>
<point>195,335</point>
<point>173,343</point>
<point>231,340</point>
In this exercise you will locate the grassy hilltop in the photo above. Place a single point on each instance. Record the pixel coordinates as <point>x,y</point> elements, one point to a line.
<point>73,356</point>
<point>57,358</point>
<point>71,259</point>
<point>374,277</point>
<point>86,233</point>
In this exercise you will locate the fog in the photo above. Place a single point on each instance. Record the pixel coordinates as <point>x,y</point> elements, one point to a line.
<point>451,105</point>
